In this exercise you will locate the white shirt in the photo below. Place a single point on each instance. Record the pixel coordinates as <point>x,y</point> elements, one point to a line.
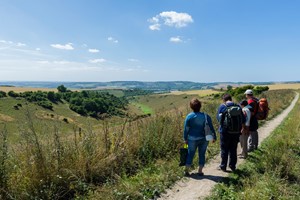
<point>247,113</point>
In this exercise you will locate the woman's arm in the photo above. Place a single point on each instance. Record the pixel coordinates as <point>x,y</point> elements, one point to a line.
<point>186,128</point>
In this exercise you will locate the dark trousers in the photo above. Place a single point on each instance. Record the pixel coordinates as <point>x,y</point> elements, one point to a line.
<point>229,144</point>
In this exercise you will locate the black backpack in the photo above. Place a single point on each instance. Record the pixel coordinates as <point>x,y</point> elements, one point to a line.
<point>232,119</point>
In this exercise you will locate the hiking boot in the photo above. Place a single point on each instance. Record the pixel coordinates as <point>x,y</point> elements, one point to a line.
<point>232,168</point>
<point>221,168</point>
<point>200,174</point>
<point>187,171</point>
<point>187,174</point>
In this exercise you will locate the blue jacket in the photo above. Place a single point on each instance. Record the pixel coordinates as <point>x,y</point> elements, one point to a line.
<point>194,126</point>
<point>221,110</point>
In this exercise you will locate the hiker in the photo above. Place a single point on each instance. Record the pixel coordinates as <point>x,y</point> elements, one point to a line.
<point>231,118</point>
<point>194,135</point>
<point>253,134</point>
<point>245,130</point>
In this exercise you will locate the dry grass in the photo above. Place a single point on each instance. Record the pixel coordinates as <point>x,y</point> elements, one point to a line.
<point>6,118</point>
<point>294,86</point>
<point>53,116</point>
<point>195,92</point>
<point>25,89</point>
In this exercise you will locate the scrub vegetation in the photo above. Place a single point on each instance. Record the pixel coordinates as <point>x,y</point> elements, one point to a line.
<point>98,159</point>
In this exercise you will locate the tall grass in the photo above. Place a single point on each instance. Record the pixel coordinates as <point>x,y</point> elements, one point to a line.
<point>273,172</point>
<point>49,164</point>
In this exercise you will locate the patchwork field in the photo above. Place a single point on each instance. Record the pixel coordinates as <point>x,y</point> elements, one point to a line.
<point>195,92</point>
<point>25,89</point>
<point>294,86</point>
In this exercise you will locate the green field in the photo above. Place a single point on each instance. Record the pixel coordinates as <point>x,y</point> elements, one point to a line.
<point>144,108</point>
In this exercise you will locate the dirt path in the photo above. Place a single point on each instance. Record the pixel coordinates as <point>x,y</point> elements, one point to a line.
<point>197,187</point>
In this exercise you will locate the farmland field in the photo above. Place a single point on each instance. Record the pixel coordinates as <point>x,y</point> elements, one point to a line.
<point>294,86</point>
<point>25,89</point>
<point>195,92</point>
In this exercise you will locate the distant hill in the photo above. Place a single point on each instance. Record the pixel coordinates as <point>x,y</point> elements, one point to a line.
<point>155,86</point>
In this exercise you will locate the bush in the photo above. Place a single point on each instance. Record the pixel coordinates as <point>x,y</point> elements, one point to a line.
<point>45,104</point>
<point>2,94</point>
<point>13,94</point>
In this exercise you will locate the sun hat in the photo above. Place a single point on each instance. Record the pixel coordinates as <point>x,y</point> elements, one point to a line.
<point>249,92</point>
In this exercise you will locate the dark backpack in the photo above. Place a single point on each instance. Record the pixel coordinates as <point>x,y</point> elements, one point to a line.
<point>232,119</point>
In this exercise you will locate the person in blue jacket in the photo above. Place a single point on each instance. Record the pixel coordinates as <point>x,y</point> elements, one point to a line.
<point>194,135</point>
<point>228,141</point>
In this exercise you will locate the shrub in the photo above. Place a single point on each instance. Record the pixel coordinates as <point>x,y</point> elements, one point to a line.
<point>2,94</point>
<point>66,120</point>
<point>13,94</point>
<point>45,104</point>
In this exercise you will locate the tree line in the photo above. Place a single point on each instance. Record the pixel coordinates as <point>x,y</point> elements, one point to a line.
<point>87,103</point>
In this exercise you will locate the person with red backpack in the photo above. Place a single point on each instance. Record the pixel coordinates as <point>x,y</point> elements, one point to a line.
<point>253,134</point>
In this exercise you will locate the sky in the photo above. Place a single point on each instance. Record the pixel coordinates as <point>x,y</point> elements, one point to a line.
<point>157,40</point>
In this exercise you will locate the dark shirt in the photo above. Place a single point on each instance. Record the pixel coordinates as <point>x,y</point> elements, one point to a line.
<point>253,102</point>
<point>221,110</point>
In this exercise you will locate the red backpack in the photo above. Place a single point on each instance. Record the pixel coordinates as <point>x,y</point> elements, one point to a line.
<point>262,110</point>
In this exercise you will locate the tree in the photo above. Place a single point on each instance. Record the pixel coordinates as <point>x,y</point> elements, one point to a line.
<point>62,88</point>
<point>229,87</point>
<point>51,96</point>
<point>13,94</point>
<point>2,94</point>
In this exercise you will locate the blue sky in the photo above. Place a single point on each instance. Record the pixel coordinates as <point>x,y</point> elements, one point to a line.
<point>157,40</point>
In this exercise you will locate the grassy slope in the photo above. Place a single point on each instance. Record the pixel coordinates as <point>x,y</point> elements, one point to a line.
<point>272,172</point>
<point>114,154</point>
<point>162,103</point>
<point>156,177</point>
<point>60,111</point>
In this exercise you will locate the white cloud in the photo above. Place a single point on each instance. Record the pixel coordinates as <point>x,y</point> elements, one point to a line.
<point>43,62</point>
<point>112,39</point>
<point>93,50</point>
<point>99,60</point>
<point>133,60</point>
<point>19,44</point>
<point>176,39</point>
<point>64,47</point>
<point>37,49</point>
<point>56,62</point>
<point>170,18</point>
<point>6,42</point>
<point>61,62</point>
<point>47,70</point>
<point>154,27</point>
